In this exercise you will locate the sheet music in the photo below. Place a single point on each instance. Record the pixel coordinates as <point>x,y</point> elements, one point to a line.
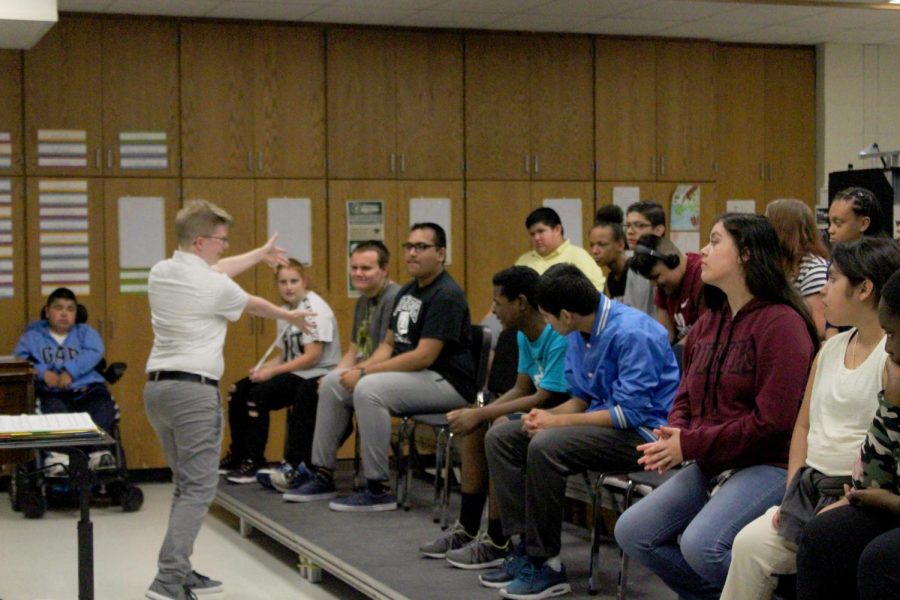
<point>52,423</point>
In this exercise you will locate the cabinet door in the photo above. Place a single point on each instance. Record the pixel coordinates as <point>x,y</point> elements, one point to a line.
<point>497,114</point>
<point>686,111</point>
<point>236,197</point>
<point>362,121</point>
<point>436,190</point>
<point>362,225</point>
<point>216,100</point>
<point>625,110</point>
<point>63,99</point>
<point>492,207</point>
<point>129,252</point>
<point>561,103</point>
<point>13,290</point>
<point>65,243</point>
<point>429,105</point>
<point>11,157</point>
<point>140,98</point>
<point>741,124</point>
<point>289,104</point>
<point>790,101</point>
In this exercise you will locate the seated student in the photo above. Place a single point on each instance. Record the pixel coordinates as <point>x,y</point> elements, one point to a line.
<point>854,213</point>
<point>837,409</point>
<point>540,382</point>
<point>679,298</point>
<point>642,218</point>
<point>65,354</point>
<point>291,379</point>
<point>369,274</point>
<point>621,375</point>
<point>854,551</point>
<point>609,249</point>
<point>552,248</point>
<point>805,254</point>
<point>745,369</point>
<point>423,365</point>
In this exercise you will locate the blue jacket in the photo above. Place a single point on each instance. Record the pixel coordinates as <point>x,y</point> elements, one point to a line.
<point>626,367</point>
<point>78,354</point>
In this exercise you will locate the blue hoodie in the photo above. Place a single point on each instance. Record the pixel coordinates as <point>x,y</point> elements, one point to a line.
<point>78,355</point>
<point>626,367</point>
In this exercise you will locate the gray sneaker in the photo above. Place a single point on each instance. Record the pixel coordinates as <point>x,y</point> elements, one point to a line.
<point>480,553</point>
<point>160,591</point>
<point>453,538</point>
<point>201,584</point>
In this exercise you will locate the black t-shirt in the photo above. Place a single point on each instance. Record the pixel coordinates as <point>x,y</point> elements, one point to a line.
<point>439,311</point>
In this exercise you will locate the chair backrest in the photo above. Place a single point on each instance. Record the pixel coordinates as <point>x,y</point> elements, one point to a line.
<point>505,366</point>
<point>481,350</point>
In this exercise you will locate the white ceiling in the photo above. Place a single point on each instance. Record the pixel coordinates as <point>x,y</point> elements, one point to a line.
<point>802,22</point>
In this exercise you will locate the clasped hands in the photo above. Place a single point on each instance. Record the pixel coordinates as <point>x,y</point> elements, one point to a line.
<point>664,453</point>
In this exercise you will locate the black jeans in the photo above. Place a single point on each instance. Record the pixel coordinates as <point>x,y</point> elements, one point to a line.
<point>849,552</point>
<point>248,416</point>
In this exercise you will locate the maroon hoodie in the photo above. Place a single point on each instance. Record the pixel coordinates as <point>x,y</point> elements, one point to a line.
<point>743,383</point>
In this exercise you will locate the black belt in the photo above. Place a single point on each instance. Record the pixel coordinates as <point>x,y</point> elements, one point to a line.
<point>181,376</point>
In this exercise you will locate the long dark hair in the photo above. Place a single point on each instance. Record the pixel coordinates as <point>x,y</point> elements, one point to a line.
<point>762,260</point>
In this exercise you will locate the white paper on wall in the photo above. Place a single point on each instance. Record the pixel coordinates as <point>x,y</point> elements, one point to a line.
<point>569,210</point>
<point>433,210</point>
<point>625,196</point>
<point>686,241</point>
<point>291,218</point>
<point>64,236</point>
<point>741,206</point>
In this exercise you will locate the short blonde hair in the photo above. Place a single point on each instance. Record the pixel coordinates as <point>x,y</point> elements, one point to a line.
<point>198,218</point>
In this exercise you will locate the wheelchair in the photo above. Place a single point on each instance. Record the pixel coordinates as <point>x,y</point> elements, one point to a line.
<point>39,483</point>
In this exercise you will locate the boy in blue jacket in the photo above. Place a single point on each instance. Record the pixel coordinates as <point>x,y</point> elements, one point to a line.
<point>622,376</point>
<point>65,354</point>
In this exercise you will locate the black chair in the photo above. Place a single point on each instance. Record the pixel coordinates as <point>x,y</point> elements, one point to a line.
<point>481,345</point>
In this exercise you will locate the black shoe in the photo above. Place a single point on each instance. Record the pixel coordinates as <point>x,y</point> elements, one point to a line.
<point>229,464</point>
<point>246,473</point>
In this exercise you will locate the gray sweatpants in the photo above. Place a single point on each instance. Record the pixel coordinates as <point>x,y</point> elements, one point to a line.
<point>375,399</point>
<point>540,466</point>
<point>188,420</point>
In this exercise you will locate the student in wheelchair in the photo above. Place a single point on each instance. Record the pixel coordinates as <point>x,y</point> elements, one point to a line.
<point>66,353</point>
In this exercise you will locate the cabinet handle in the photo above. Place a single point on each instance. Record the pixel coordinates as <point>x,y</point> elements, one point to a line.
<point>527,165</point>
<point>252,325</point>
<point>100,327</point>
<point>653,165</point>
<point>402,163</point>
<point>662,165</point>
<point>261,326</point>
<point>259,162</point>
<point>97,158</point>
<point>769,171</point>
<point>537,164</point>
<point>762,171</point>
<point>393,163</point>
<point>250,160</point>
<point>109,159</point>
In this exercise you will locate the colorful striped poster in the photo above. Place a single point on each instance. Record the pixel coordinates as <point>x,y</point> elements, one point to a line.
<point>7,283</point>
<point>63,228</point>
<point>5,150</point>
<point>143,150</point>
<point>142,240</point>
<point>62,148</point>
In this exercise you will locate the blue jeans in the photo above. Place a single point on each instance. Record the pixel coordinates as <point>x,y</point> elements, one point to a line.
<point>696,565</point>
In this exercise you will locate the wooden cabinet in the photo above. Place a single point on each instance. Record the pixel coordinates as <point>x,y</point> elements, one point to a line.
<point>140,98</point>
<point>655,110</point>
<point>394,105</point>
<point>528,107</point>
<point>13,290</point>
<point>128,332</point>
<point>252,101</point>
<point>767,101</point>
<point>63,100</point>
<point>11,156</point>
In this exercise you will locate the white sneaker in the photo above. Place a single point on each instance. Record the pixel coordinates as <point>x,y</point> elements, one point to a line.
<point>57,464</point>
<point>100,460</point>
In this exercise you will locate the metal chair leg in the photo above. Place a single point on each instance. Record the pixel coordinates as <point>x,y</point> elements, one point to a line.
<point>448,472</point>
<point>622,590</point>
<point>438,470</point>
<point>411,444</point>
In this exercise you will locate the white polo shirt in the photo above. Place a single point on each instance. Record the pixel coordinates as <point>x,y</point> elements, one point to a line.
<point>190,306</point>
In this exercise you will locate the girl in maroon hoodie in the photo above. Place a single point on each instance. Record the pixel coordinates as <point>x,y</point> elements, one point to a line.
<point>745,369</point>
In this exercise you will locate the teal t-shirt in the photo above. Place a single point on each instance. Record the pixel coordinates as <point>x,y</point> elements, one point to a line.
<point>544,360</point>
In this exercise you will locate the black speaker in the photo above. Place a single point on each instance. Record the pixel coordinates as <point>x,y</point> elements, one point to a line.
<point>671,261</point>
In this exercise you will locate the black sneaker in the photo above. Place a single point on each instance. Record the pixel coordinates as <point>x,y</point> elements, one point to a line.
<point>246,473</point>
<point>229,464</point>
<point>201,584</point>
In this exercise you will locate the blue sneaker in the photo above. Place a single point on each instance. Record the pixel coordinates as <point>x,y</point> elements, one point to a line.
<point>536,583</point>
<point>317,487</point>
<point>264,476</point>
<point>365,501</point>
<point>289,480</point>
<point>506,573</point>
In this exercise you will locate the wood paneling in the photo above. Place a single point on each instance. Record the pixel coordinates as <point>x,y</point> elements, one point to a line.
<point>63,91</point>
<point>11,109</point>
<point>140,89</point>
